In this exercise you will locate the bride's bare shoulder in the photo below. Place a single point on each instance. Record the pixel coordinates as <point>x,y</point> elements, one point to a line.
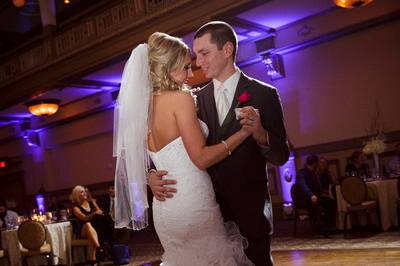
<point>181,95</point>
<point>175,99</point>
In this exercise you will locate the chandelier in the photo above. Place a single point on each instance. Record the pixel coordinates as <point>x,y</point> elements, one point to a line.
<point>43,107</point>
<point>19,3</point>
<point>352,3</point>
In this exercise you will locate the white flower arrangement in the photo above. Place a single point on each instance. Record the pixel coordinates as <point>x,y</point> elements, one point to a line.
<point>375,145</point>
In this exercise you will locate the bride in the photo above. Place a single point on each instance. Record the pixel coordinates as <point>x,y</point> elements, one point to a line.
<point>156,116</point>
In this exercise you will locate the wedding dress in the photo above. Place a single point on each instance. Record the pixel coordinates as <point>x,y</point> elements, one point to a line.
<point>190,225</point>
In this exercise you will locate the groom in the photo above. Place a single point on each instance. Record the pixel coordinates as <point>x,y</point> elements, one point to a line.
<point>240,181</point>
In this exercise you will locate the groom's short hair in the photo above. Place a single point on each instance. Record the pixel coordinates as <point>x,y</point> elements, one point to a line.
<point>221,33</point>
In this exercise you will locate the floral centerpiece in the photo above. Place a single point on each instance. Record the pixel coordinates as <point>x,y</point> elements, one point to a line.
<point>376,144</point>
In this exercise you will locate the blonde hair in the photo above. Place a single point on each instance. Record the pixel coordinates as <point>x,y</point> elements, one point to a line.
<point>166,54</point>
<point>74,197</point>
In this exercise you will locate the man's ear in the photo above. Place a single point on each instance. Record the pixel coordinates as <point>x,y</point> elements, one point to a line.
<point>228,49</point>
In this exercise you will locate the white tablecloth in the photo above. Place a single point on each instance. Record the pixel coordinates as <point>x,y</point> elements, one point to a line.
<point>58,236</point>
<point>385,192</point>
<point>387,195</point>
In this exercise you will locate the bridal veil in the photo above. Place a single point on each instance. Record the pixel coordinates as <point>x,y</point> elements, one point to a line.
<point>130,142</point>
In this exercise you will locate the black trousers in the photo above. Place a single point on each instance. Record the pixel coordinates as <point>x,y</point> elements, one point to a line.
<point>259,251</point>
<point>323,213</point>
<point>259,248</point>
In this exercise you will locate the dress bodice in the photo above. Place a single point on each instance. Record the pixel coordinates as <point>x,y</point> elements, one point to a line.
<point>174,156</point>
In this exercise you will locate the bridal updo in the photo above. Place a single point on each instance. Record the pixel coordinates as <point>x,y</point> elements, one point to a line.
<point>166,54</point>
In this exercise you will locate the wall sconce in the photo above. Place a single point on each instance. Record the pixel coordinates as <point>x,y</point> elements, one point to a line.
<point>274,65</point>
<point>31,138</point>
<point>44,107</point>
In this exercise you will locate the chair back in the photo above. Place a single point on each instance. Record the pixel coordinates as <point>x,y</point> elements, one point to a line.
<point>353,190</point>
<point>32,235</point>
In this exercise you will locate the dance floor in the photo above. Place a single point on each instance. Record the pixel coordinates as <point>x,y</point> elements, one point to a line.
<point>362,247</point>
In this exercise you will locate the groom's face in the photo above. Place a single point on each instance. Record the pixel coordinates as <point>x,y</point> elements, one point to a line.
<point>208,57</point>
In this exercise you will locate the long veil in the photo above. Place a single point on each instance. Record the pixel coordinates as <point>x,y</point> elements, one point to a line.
<point>130,142</point>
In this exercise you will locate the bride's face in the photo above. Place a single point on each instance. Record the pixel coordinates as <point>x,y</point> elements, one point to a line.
<point>182,74</point>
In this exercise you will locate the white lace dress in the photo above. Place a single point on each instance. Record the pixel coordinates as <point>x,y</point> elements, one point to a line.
<point>190,225</point>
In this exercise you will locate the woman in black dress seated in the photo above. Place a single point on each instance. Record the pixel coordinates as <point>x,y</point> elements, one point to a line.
<point>91,223</point>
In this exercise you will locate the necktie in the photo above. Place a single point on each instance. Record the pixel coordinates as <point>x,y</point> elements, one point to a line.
<point>222,103</point>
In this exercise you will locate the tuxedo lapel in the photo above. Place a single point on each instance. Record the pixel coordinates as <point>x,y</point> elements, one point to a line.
<point>210,110</point>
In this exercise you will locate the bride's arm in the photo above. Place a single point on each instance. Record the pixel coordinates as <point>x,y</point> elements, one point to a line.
<point>189,128</point>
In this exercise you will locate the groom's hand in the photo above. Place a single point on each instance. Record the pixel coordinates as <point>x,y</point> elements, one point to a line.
<point>157,185</point>
<point>250,120</point>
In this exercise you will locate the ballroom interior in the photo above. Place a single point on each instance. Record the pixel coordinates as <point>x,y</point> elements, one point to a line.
<point>336,70</point>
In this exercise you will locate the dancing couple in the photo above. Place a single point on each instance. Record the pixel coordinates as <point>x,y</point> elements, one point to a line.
<point>208,150</point>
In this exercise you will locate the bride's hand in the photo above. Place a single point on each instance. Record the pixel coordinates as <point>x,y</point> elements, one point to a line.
<point>158,185</point>
<point>246,130</point>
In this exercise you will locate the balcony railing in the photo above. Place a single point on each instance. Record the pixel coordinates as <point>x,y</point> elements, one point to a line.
<point>88,32</point>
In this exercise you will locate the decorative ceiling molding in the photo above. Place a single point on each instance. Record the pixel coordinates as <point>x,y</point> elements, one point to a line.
<point>333,25</point>
<point>89,84</point>
<point>99,38</point>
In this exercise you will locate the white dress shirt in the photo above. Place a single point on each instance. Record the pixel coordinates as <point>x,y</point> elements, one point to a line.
<point>230,84</point>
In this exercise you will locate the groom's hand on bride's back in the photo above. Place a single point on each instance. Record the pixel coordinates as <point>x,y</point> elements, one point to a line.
<point>158,185</point>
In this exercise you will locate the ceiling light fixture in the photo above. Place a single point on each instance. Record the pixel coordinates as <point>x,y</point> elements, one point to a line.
<point>19,3</point>
<point>43,107</point>
<point>352,3</point>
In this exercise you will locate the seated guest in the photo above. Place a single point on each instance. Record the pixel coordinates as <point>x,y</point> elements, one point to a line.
<point>321,207</point>
<point>357,165</point>
<point>90,219</point>
<point>108,202</point>
<point>7,217</point>
<point>325,178</point>
<point>120,235</point>
<point>393,167</point>
<point>111,194</point>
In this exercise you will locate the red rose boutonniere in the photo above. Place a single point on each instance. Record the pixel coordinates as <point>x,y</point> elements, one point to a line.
<point>243,98</point>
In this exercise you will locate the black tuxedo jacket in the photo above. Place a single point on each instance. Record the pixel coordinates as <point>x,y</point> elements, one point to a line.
<point>240,181</point>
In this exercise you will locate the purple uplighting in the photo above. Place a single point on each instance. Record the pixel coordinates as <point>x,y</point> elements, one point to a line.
<point>275,18</point>
<point>288,177</point>
<point>40,202</point>
<point>31,138</point>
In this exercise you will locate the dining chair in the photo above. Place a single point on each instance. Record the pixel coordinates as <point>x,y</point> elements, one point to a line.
<point>4,256</point>
<point>32,236</point>
<point>354,192</point>
<point>299,213</point>
<point>77,241</point>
